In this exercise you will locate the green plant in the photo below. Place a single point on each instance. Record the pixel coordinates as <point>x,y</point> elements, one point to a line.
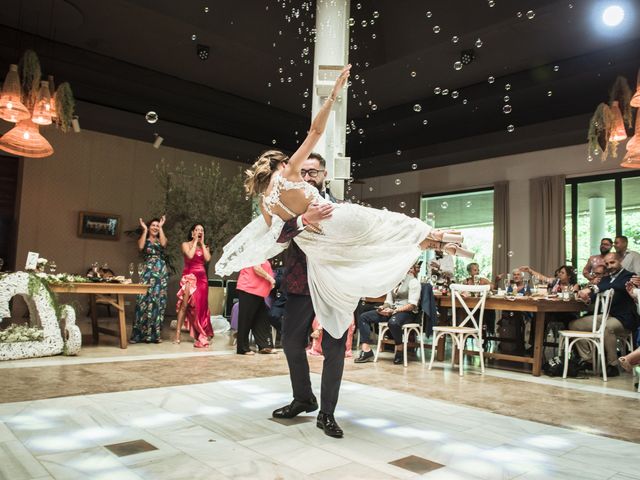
<point>65,106</point>
<point>200,194</point>
<point>599,129</point>
<point>31,73</point>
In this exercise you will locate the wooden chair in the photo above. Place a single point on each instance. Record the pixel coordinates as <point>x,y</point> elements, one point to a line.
<point>595,336</point>
<point>467,328</point>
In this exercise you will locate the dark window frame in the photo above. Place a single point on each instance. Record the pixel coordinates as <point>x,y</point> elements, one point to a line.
<point>617,188</point>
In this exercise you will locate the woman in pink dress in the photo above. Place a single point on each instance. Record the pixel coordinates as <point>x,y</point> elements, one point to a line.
<point>193,301</point>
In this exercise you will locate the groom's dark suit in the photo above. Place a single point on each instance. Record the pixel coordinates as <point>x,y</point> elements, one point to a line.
<point>296,327</point>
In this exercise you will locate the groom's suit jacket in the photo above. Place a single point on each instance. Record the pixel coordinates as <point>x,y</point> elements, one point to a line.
<point>294,279</point>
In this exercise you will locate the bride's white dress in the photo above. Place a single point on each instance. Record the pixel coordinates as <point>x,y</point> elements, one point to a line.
<point>362,252</point>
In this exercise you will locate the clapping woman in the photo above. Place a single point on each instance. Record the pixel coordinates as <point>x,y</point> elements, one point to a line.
<point>193,301</point>
<point>150,306</point>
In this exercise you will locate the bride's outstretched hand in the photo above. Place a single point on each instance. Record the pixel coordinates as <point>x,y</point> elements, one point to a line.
<point>340,81</point>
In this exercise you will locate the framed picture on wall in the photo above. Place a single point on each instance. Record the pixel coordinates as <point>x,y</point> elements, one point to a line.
<point>99,225</point>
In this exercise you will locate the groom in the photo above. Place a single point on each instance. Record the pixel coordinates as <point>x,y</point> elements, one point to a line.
<point>299,315</point>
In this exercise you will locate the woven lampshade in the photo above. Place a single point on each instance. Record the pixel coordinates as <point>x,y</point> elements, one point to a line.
<point>632,158</point>
<point>635,100</point>
<point>24,140</point>
<point>42,108</point>
<point>11,107</point>
<point>618,132</point>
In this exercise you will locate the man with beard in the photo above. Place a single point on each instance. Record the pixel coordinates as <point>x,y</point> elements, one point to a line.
<point>606,244</point>
<point>630,259</point>
<point>623,316</point>
<point>299,315</point>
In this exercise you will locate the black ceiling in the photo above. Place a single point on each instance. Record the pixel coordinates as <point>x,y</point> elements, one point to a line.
<point>126,57</point>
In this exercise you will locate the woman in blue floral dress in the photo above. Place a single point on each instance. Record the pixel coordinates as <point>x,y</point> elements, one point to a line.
<point>150,307</point>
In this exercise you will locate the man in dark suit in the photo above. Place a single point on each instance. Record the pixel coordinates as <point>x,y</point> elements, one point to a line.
<point>623,315</point>
<point>299,315</point>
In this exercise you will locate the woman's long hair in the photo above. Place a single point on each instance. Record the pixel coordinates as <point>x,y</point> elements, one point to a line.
<point>259,175</point>
<point>571,273</point>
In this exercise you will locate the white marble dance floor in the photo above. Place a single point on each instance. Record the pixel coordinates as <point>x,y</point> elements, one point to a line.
<point>223,430</point>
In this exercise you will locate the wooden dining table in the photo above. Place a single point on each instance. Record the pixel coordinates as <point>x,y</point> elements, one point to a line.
<point>100,293</point>
<point>539,306</point>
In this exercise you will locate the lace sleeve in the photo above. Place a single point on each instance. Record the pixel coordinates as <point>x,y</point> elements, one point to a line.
<point>254,244</point>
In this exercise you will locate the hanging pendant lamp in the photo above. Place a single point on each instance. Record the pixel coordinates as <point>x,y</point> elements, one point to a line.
<point>632,158</point>
<point>42,108</point>
<point>24,140</point>
<point>635,100</point>
<point>11,107</point>
<point>618,132</point>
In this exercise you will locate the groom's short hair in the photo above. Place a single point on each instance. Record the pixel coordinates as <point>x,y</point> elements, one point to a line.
<point>317,156</point>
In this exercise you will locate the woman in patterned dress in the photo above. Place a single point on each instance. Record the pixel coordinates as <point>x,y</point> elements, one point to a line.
<point>150,307</point>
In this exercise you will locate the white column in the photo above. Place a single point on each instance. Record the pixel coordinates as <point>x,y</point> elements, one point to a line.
<point>597,223</point>
<point>331,53</point>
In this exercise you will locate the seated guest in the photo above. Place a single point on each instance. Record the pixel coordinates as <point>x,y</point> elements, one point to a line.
<point>630,260</point>
<point>564,277</point>
<point>400,307</point>
<point>606,244</point>
<point>473,269</point>
<point>623,315</point>
<point>631,360</point>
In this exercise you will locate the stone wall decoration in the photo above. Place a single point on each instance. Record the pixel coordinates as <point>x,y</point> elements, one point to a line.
<point>43,312</point>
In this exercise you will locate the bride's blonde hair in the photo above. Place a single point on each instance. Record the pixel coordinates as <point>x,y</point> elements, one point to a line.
<point>259,175</point>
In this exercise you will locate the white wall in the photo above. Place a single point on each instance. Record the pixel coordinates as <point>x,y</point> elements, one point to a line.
<point>516,169</point>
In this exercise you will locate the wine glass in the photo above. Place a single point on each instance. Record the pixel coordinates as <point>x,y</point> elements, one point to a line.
<point>94,269</point>
<point>140,271</point>
<point>131,270</point>
<point>52,267</point>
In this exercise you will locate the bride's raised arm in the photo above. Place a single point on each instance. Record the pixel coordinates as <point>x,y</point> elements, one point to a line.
<point>318,125</point>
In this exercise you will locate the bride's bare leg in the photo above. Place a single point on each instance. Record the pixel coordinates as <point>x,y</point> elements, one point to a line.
<point>448,241</point>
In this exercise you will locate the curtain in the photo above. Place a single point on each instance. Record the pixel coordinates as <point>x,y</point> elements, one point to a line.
<point>547,223</point>
<point>500,262</point>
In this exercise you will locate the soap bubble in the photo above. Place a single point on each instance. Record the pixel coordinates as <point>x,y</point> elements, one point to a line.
<point>506,109</point>
<point>403,204</point>
<point>429,14</point>
<point>352,22</point>
<point>507,86</point>
<point>376,14</point>
<point>425,121</point>
<point>455,39</point>
<point>417,107</point>
<point>414,166</point>
<point>457,65</point>
<point>510,128</point>
<point>194,37</point>
<point>398,152</point>
<point>468,204</point>
<point>491,79</point>
<point>437,90</point>
<point>549,93</point>
<point>374,107</point>
<point>151,117</point>
<point>510,253</point>
<point>444,205</point>
<point>556,68</point>
<point>273,141</point>
<point>413,74</point>
<point>531,14</point>
<point>506,98</point>
<point>455,94</point>
<point>478,43</point>
<point>398,181</point>
<point>436,29</point>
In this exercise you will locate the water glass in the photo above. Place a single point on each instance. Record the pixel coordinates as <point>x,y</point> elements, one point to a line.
<point>131,270</point>
<point>52,266</point>
<point>140,271</point>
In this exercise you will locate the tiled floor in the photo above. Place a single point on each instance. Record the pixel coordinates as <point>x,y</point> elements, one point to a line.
<point>223,430</point>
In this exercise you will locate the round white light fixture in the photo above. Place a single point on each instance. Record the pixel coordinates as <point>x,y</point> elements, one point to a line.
<point>613,15</point>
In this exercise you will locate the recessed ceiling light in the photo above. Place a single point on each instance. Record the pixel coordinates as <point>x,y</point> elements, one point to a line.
<point>613,15</point>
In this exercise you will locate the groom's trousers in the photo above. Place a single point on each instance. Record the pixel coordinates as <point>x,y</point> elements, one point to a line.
<point>296,327</point>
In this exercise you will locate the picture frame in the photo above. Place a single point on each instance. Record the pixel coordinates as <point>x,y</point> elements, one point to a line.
<point>102,226</point>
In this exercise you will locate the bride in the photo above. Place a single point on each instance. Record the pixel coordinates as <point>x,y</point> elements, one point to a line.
<point>356,252</point>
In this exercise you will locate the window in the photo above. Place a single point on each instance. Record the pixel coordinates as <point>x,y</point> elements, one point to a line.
<point>470,212</point>
<point>597,207</point>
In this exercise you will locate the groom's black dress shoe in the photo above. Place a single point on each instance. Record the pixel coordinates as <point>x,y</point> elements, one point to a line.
<point>398,358</point>
<point>295,408</point>
<point>328,424</point>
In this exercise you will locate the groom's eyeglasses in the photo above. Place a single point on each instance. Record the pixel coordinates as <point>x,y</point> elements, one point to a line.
<point>313,173</point>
